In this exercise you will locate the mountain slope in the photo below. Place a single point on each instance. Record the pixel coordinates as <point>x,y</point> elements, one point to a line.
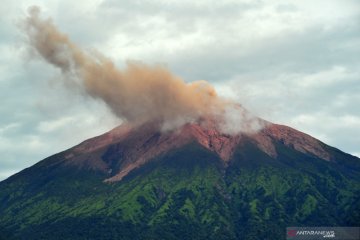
<point>193,183</point>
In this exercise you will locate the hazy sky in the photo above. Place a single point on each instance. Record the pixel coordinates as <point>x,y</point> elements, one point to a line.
<point>290,62</point>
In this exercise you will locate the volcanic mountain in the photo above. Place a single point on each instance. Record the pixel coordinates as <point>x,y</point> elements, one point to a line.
<point>195,182</point>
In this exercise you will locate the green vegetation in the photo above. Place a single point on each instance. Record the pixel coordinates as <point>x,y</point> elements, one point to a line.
<point>186,194</point>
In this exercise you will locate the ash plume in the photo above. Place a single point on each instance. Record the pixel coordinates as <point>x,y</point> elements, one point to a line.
<point>138,93</point>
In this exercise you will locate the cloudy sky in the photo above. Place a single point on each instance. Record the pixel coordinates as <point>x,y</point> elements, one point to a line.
<point>290,62</point>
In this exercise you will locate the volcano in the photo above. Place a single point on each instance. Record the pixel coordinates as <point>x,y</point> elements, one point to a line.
<point>194,182</point>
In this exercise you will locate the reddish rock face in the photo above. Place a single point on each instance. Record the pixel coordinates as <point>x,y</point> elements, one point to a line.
<point>128,147</point>
<point>299,141</point>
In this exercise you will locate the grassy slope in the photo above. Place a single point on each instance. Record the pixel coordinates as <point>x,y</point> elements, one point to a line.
<point>186,194</point>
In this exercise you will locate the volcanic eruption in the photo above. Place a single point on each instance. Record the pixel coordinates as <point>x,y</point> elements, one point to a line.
<point>161,112</point>
<point>139,93</point>
<point>185,163</point>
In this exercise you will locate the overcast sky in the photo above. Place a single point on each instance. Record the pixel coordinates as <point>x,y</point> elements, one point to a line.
<point>291,62</point>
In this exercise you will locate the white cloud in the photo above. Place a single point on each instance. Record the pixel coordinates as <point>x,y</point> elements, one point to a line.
<point>51,126</point>
<point>325,78</point>
<point>8,127</point>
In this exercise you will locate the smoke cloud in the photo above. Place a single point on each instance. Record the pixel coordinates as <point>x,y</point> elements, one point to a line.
<point>138,93</point>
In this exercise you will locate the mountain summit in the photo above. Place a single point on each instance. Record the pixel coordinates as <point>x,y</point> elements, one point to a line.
<point>195,182</point>
<point>127,147</point>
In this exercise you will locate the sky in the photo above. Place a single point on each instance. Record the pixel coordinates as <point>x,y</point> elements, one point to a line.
<point>291,62</point>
